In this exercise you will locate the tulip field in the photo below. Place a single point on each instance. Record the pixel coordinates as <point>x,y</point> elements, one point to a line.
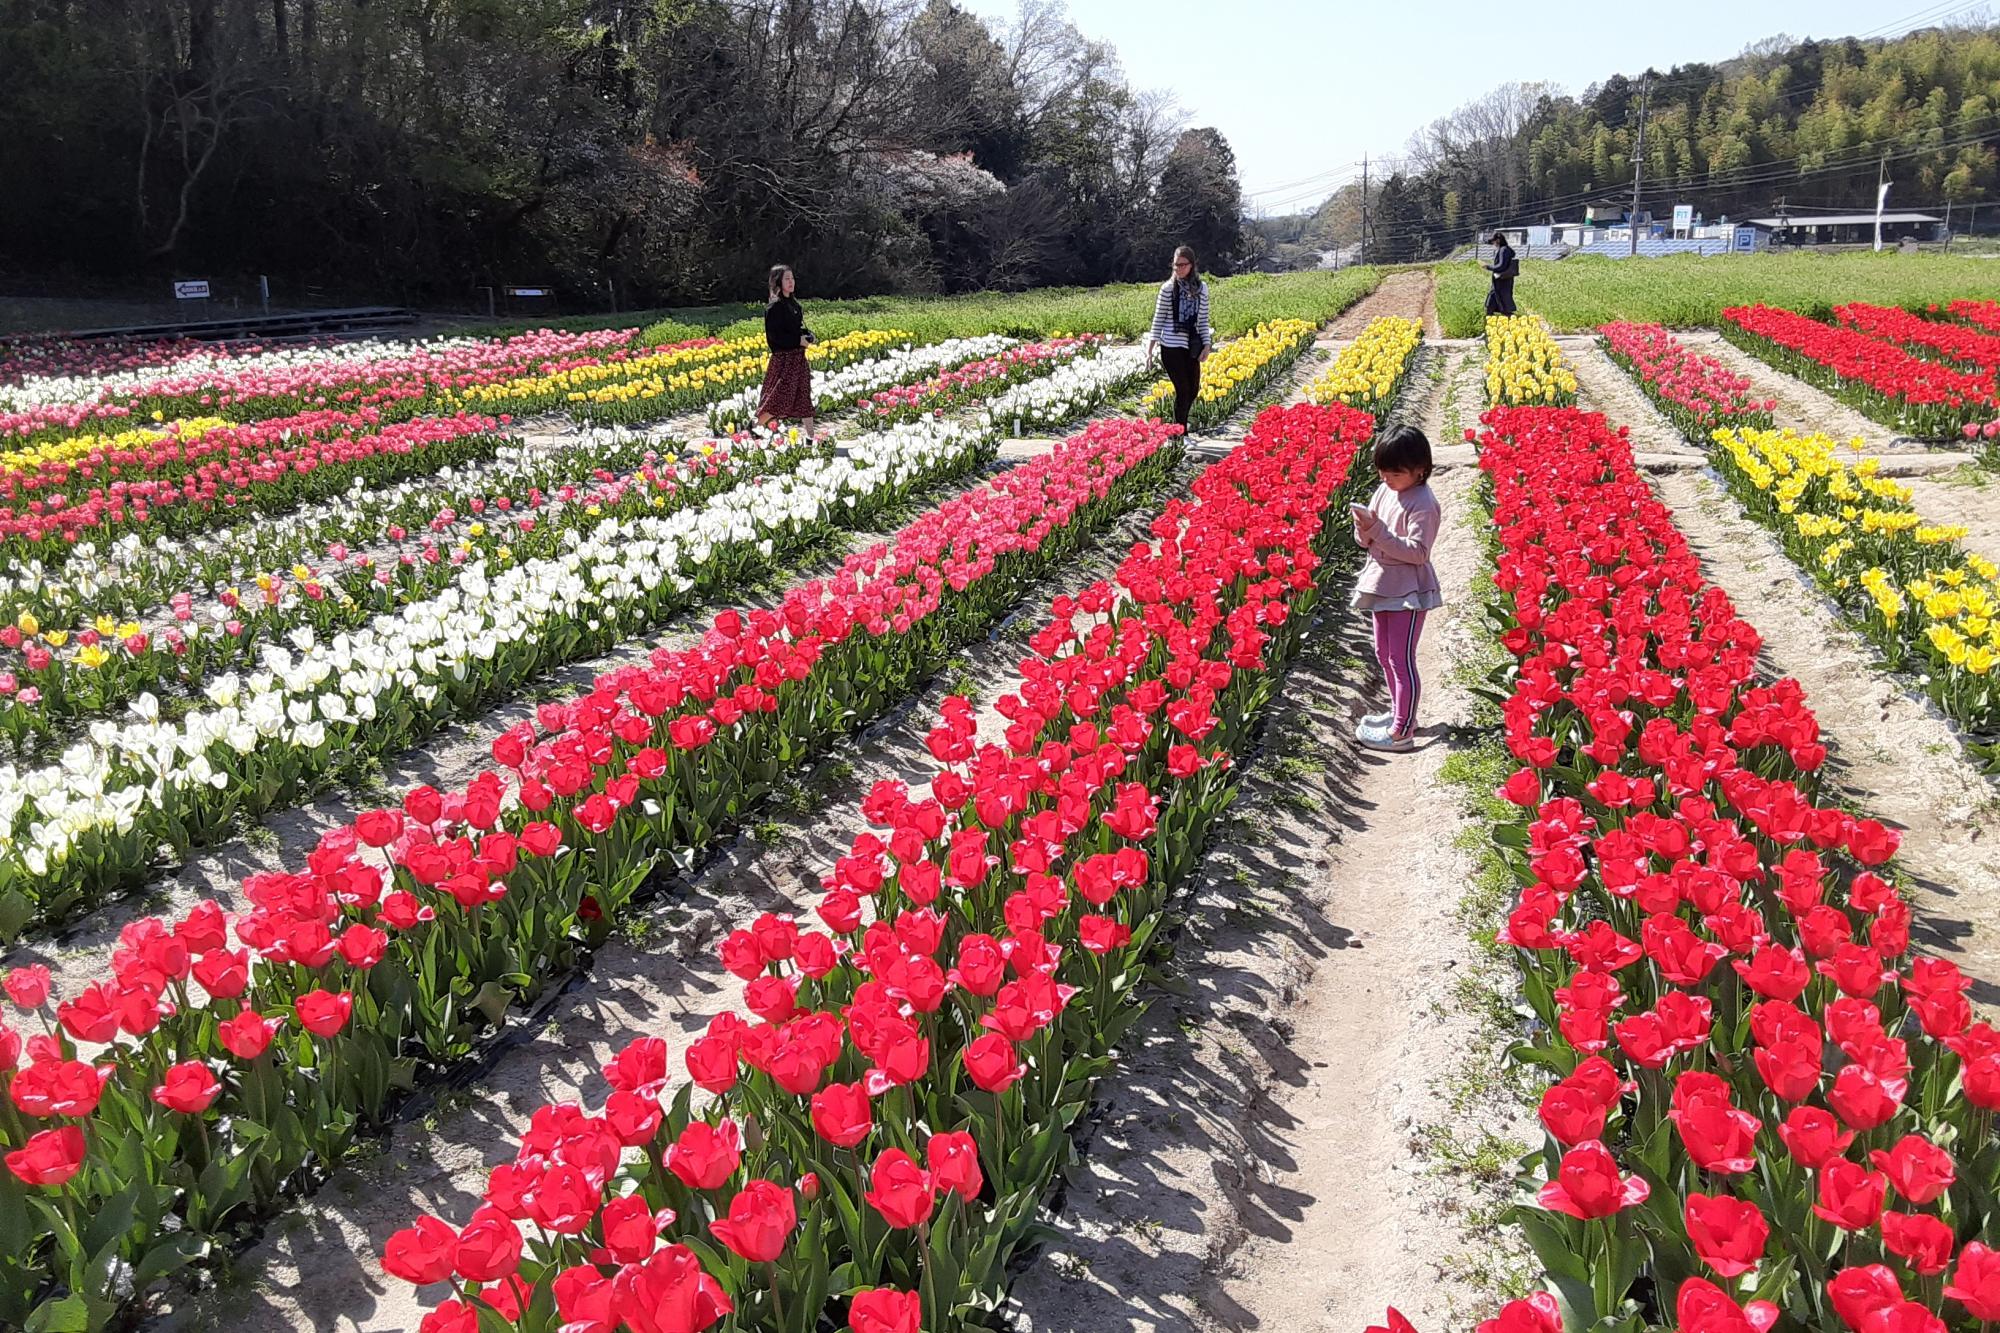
<point>606,625</point>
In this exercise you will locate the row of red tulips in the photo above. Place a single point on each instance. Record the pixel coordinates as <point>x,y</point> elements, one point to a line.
<point>885,1116</point>
<point>208,1079</point>
<point>1935,340</point>
<point>1984,313</point>
<point>178,485</point>
<point>1765,1109</point>
<point>1923,398</point>
<point>1698,393</point>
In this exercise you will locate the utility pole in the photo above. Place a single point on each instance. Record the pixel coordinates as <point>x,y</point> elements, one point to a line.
<point>1639,155</point>
<point>1364,208</point>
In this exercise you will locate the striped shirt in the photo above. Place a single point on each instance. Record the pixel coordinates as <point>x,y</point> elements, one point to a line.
<point>1166,332</point>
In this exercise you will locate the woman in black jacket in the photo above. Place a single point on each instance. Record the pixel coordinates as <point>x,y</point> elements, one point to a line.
<point>1504,268</point>
<point>788,393</point>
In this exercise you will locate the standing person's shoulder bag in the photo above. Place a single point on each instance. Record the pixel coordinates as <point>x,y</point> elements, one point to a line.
<point>1512,268</point>
<point>1187,314</point>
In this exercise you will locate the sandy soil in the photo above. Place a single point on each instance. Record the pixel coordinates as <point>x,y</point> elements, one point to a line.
<point>1894,756</point>
<point>1256,1160</point>
<point>1410,294</point>
<point>318,1265</point>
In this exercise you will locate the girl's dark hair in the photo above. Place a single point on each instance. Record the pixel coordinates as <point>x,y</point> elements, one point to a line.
<point>778,272</point>
<point>1499,238</point>
<point>1403,449</point>
<point>1194,265</point>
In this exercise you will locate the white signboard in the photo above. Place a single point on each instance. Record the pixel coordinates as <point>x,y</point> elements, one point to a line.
<point>1683,217</point>
<point>191,289</point>
<point>529,291</point>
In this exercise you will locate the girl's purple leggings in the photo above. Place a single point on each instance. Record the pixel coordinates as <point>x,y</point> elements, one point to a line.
<point>1396,634</point>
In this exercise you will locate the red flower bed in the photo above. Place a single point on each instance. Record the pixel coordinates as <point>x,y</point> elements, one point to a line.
<point>1764,1108</point>
<point>1971,349</point>
<point>1698,392</point>
<point>1986,314</point>
<point>887,1112</point>
<point>406,935</point>
<point>1878,378</point>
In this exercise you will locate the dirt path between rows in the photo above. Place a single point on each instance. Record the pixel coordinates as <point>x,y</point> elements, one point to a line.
<point>1258,1160</point>
<point>1411,294</point>
<point>1894,756</point>
<point>318,1266</point>
<point>1967,496</point>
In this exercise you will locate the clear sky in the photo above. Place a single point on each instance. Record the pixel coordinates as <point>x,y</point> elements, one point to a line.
<point>1302,88</point>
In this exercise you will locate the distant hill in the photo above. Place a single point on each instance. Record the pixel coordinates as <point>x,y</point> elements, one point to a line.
<point>1806,123</point>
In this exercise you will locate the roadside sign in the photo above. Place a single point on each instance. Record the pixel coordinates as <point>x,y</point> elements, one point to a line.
<point>191,289</point>
<point>530,291</point>
<point>1683,217</point>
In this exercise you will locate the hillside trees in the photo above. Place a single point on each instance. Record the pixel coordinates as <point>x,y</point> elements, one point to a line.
<point>670,148</point>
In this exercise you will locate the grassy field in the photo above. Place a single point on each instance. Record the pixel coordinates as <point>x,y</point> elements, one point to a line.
<point>1236,304</point>
<point>1686,290</point>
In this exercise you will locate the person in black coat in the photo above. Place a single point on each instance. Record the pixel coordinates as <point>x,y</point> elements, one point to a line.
<point>1504,268</point>
<point>787,393</point>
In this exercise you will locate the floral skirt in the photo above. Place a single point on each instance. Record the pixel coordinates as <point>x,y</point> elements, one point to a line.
<point>788,387</point>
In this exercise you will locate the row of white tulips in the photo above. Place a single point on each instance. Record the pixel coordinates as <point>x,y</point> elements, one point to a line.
<point>846,387</point>
<point>1074,389</point>
<point>96,820</point>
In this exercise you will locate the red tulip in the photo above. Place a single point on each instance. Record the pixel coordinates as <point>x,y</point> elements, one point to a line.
<point>631,1229</point>
<point>1534,1314</point>
<point>1976,1282</point>
<point>705,1155</point>
<point>1717,1136</point>
<point>28,986</point>
<point>1859,1295</point>
<point>900,1190</point>
<point>669,1293</point>
<point>761,1219</point>
<point>1728,1234</point>
<point>488,1248</point>
<point>1703,1307</point>
<point>323,1013</point>
<point>1588,1184</point>
<point>50,1158</point>
<point>992,1063</point>
<point>1918,1238</point>
<point>1813,1137</point>
<point>953,1160</point>
<point>841,1114</point>
<point>885,1310</point>
<point>421,1254</point>
<point>188,1087</point>
<point>1850,1196</point>
<point>1918,1168</point>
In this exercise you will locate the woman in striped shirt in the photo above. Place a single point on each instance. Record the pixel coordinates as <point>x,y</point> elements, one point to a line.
<point>1180,330</point>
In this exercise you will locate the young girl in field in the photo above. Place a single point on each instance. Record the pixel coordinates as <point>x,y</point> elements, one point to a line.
<point>1397,585</point>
